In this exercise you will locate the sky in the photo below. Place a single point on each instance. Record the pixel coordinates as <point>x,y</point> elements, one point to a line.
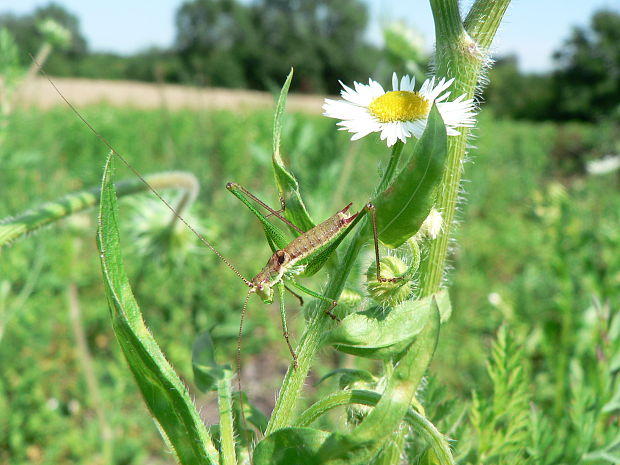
<point>532,29</point>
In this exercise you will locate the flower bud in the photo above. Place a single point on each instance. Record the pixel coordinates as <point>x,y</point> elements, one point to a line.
<point>349,298</point>
<point>389,292</point>
<point>433,225</point>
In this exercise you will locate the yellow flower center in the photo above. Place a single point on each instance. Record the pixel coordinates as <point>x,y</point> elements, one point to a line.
<point>399,105</point>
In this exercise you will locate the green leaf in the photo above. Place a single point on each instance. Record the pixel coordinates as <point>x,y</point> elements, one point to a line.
<point>163,392</point>
<point>380,333</point>
<point>609,453</point>
<point>364,441</point>
<point>288,187</point>
<point>421,425</point>
<point>308,446</point>
<point>405,204</point>
<point>206,371</point>
<point>614,403</point>
<point>253,416</point>
<point>444,304</point>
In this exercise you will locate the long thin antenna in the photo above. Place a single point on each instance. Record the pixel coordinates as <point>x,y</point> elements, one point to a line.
<point>241,405</point>
<point>139,176</point>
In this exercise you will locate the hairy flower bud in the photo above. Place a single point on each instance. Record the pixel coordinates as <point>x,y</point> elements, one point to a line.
<point>349,298</point>
<point>390,293</point>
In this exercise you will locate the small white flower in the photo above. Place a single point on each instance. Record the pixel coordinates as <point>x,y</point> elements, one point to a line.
<point>495,299</point>
<point>52,403</point>
<point>399,113</point>
<point>609,164</point>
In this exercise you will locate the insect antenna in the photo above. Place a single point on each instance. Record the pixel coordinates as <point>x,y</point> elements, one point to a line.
<point>141,178</point>
<point>241,406</point>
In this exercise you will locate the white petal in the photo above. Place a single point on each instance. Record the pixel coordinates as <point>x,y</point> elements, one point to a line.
<point>405,83</point>
<point>416,128</point>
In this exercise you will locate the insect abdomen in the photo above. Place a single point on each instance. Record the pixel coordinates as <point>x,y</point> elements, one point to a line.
<point>319,236</point>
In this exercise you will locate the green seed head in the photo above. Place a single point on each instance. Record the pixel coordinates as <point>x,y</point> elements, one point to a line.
<point>156,234</point>
<point>389,293</point>
<point>55,33</point>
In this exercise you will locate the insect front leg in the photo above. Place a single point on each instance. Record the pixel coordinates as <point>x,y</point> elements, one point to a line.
<point>297,296</point>
<point>281,290</point>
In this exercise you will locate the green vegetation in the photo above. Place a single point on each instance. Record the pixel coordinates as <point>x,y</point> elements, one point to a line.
<point>537,255</point>
<point>526,368</point>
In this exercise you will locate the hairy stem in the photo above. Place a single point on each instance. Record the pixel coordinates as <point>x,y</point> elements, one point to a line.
<point>12,228</point>
<point>460,53</point>
<point>419,423</point>
<point>226,423</point>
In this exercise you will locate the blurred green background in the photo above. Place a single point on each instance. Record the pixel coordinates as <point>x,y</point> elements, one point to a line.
<point>536,249</point>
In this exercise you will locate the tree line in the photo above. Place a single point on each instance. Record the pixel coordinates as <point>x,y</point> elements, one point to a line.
<point>229,43</point>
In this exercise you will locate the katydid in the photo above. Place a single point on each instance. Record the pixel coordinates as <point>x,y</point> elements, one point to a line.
<point>303,256</point>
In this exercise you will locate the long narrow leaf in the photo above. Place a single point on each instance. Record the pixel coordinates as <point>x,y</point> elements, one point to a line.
<point>164,393</point>
<point>288,186</point>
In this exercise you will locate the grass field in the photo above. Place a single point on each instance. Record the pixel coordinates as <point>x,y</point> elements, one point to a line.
<point>536,252</point>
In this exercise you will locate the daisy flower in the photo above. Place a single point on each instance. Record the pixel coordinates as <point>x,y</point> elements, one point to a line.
<point>399,113</point>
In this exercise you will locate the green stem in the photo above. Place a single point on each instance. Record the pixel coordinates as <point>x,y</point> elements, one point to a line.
<point>226,423</point>
<point>12,228</point>
<point>318,322</point>
<point>311,340</point>
<point>86,361</point>
<point>397,150</point>
<point>461,54</point>
<point>419,423</point>
<point>484,19</point>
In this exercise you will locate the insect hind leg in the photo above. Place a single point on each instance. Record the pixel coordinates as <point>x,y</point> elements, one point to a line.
<point>373,212</point>
<point>238,189</point>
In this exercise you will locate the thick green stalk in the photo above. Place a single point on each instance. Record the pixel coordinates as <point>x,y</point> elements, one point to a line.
<point>319,323</point>
<point>484,19</point>
<point>462,54</point>
<point>13,228</point>
<point>227,440</point>
<point>310,342</point>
